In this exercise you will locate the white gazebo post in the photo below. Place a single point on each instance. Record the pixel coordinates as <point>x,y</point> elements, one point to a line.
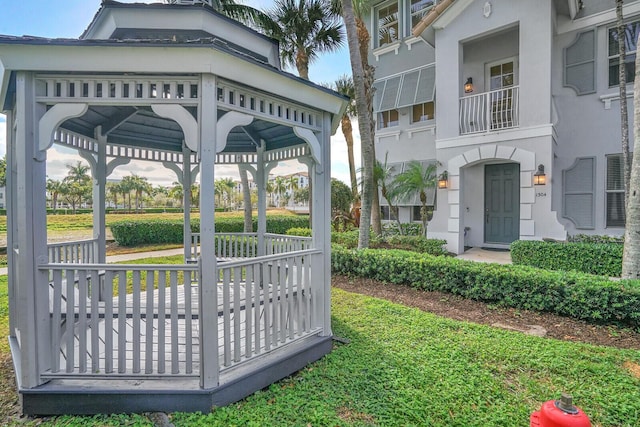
<point>32,304</point>
<point>207,121</point>
<point>320,175</point>
<point>12,229</point>
<point>185,178</point>
<point>98,164</point>
<point>263,170</point>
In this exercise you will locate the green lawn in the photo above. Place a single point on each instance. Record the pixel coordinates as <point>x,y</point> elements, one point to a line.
<point>407,367</point>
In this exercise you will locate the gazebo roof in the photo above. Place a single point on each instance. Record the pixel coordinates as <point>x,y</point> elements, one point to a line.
<point>134,52</point>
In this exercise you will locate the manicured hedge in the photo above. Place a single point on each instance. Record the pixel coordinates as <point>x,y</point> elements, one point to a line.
<point>131,233</point>
<point>593,298</point>
<point>349,239</point>
<point>604,259</point>
<point>299,231</point>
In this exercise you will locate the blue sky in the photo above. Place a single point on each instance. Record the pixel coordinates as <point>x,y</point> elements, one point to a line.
<point>69,18</point>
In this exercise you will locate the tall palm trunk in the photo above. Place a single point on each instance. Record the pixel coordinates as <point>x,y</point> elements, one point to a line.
<point>302,63</point>
<point>369,76</point>
<point>364,121</point>
<point>631,255</point>
<point>347,131</point>
<point>622,84</point>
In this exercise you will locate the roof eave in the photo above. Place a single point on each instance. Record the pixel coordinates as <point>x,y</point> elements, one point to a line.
<point>438,18</point>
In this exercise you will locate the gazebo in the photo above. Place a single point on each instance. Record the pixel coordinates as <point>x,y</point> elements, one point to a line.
<point>187,87</point>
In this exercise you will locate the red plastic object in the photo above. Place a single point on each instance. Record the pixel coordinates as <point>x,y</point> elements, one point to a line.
<point>560,413</point>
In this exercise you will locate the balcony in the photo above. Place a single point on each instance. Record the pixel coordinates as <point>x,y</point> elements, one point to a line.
<point>490,111</point>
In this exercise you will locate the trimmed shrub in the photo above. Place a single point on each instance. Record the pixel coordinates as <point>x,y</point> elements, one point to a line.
<point>299,231</point>
<point>595,238</point>
<point>349,239</point>
<point>131,233</point>
<point>592,298</point>
<point>408,229</point>
<point>604,259</point>
<point>418,244</point>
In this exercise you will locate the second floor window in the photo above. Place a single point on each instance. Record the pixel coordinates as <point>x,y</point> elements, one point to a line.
<point>423,112</point>
<point>631,31</point>
<point>387,23</point>
<point>419,8</point>
<point>387,119</point>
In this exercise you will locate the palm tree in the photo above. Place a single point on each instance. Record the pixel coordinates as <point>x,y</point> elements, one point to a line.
<point>280,187</point>
<point>631,253</point>
<point>248,15</point>
<point>127,186</point>
<point>114,191</point>
<point>54,187</point>
<point>304,28</point>
<point>383,175</point>
<point>344,86</point>
<point>140,186</point>
<point>365,120</point>
<point>622,84</point>
<point>76,187</point>
<point>176,193</point>
<point>416,179</point>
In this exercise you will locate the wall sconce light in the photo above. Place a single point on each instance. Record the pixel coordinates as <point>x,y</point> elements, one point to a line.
<point>468,86</point>
<point>443,180</point>
<point>539,178</point>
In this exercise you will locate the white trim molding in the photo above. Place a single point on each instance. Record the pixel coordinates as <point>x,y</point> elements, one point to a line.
<point>607,98</point>
<point>54,118</point>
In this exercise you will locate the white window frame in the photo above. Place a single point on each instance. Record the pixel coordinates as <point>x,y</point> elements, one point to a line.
<point>390,124</point>
<point>422,12</point>
<point>607,191</point>
<point>422,120</point>
<point>375,21</point>
<point>487,72</point>
<point>616,56</point>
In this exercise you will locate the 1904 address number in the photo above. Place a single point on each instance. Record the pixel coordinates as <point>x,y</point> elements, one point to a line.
<point>541,194</point>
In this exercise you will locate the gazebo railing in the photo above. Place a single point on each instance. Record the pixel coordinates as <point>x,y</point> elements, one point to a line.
<point>267,302</point>
<point>245,245</point>
<point>110,320</point>
<point>283,243</point>
<point>81,252</point>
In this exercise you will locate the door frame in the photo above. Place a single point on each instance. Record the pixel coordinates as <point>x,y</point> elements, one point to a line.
<point>516,205</point>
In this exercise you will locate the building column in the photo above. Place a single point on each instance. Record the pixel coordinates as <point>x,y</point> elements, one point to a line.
<point>34,324</point>
<point>12,229</point>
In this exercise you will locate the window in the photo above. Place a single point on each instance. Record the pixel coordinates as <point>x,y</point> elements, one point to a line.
<point>418,9</point>
<point>501,75</point>
<point>615,191</point>
<point>386,214</point>
<point>417,216</point>
<point>631,31</point>
<point>423,112</point>
<point>387,16</point>
<point>387,119</point>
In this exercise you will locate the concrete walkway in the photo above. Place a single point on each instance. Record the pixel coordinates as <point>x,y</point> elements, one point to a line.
<point>473,254</point>
<point>484,255</point>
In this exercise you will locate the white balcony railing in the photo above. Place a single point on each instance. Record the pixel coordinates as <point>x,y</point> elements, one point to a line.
<point>490,111</point>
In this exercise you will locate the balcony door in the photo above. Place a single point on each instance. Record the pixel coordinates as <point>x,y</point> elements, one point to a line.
<point>502,203</point>
<point>501,77</point>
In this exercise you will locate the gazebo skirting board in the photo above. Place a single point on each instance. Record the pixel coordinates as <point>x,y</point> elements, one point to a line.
<point>133,332</point>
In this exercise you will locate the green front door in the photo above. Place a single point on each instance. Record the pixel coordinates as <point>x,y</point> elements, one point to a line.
<point>501,203</point>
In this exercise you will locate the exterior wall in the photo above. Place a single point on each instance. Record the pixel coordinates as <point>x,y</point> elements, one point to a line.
<point>589,125</point>
<point>556,125</point>
<point>534,25</point>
